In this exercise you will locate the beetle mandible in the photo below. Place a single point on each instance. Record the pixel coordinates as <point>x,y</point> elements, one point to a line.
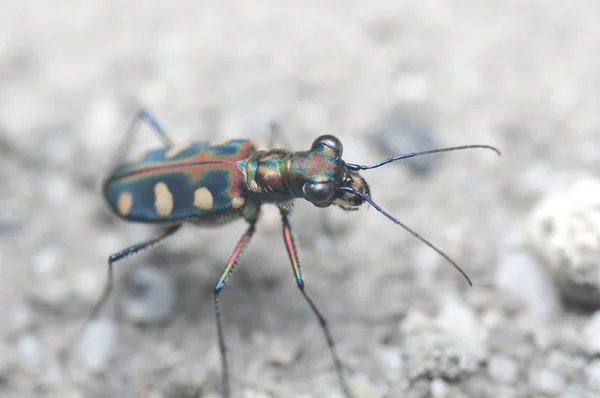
<point>208,183</point>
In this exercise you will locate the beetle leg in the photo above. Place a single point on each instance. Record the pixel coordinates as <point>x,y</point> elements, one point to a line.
<point>144,115</point>
<point>109,282</point>
<point>140,115</point>
<point>293,255</point>
<point>275,135</point>
<point>242,244</point>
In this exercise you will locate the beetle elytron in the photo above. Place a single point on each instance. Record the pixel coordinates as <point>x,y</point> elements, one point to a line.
<point>208,183</point>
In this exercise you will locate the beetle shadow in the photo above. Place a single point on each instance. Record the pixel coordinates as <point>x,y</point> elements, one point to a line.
<point>248,302</point>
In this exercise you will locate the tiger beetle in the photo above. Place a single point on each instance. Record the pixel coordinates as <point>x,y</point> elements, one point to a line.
<point>211,183</point>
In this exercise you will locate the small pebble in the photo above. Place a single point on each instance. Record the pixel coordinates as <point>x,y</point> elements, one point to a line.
<point>433,355</point>
<point>30,349</point>
<point>390,360</point>
<point>437,349</point>
<point>54,293</point>
<point>57,189</point>
<point>520,275</point>
<point>412,87</point>
<point>544,337</point>
<point>492,318</point>
<point>59,148</point>
<point>460,321</point>
<point>45,262</point>
<point>558,360</point>
<point>282,352</point>
<point>150,296</point>
<point>399,134</point>
<point>53,374</point>
<point>503,369</point>
<point>591,333</point>
<point>20,319</point>
<point>564,231</point>
<point>48,286</point>
<point>592,374</point>
<point>96,345</point>
<point>103,119</point>
<point>416,322</point>
<point>439,388</point>
<point>547,381</point>
<point>361,387</point>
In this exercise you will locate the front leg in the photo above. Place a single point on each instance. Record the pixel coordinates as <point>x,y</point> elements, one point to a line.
<point>293,255</point>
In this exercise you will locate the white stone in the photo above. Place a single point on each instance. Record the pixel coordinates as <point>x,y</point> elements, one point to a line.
<point>564,230</point>
<point>523,277</point>
<point>438,388</point>
<point>547,381</point>
<point>282,351</point>
<point>150,297</point>
<point>461,322</point>
<point>45,263</point>
<point>30,349</point>
<point>592,373</point>
<point>503,369</point>
<point>361,387</point>
<point>96,345</point>
<point>591,333</point>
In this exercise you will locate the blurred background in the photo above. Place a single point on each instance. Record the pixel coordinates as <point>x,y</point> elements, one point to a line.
<point>386,77</point>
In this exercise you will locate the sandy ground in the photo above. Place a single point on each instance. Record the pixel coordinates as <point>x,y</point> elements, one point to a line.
<point>386,77</point>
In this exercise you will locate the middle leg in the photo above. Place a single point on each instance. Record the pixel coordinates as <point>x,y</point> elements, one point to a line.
<point>251,215</point>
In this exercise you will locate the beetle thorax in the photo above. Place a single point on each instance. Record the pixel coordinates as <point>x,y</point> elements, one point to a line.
<point>267,175</point>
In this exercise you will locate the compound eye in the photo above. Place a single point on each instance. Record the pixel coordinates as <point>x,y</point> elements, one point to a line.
<point>332,142</point>
<point>319,193</point>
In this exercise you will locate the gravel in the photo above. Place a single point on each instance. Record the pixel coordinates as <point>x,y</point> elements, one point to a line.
<point>385,77</point>
<point>150,296</point>
<point>503,369</point>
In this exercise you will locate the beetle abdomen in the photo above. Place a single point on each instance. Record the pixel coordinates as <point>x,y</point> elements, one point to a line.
<point>200,192</point>
<point>201,182</point>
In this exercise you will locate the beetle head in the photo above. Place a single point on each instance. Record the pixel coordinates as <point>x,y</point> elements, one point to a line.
<point>327,172</point>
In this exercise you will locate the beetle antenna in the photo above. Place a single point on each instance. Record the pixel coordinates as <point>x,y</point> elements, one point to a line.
<point>415,234</point>
<point>353,166</point>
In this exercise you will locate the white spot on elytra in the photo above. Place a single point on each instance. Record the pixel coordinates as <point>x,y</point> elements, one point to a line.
<point>124,203</point>
<point>163,201</point>
<point>203,199</point>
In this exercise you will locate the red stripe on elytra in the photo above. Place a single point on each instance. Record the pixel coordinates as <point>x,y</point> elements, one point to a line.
<point>160,168</point>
